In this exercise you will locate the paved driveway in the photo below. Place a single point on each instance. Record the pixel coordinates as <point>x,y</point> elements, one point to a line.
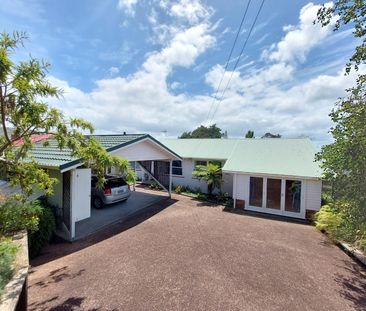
<point>194,257</point>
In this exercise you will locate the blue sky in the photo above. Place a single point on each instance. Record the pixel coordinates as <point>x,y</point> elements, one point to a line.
<point>154,65</point>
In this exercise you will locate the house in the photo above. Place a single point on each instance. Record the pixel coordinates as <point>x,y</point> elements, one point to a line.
<point>73,191</point>
<point>275,176</point>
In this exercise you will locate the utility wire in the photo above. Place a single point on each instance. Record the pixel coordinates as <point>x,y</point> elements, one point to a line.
<point>228,60</point>
<point>238,60</point>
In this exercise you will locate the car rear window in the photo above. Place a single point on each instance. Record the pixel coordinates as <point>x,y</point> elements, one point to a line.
<point>115,182</point>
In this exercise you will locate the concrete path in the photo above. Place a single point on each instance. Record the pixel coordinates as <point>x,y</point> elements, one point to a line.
<point>112,213</point>
<point>184,255</point>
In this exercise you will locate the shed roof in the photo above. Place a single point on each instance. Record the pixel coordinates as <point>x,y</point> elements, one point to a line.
<point>272,156</point>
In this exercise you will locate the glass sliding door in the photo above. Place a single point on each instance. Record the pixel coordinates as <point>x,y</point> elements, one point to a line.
<point>256,192</point>
<point>293,196</point>
<point>273,200</point>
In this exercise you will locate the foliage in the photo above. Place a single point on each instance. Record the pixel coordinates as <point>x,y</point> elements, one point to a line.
<point>340,225</point>
<point>349,12</point>
<point>344,161</point>
<point>211,174</point>
<point>7,255</point>
<point>270,135</point>
<point>155,186</point>
<point>178,189</point>
<point>46,228</point>
<point>24,88</point>
<point>249,134</point>
<point>16,215</point>
<point>202,131</point>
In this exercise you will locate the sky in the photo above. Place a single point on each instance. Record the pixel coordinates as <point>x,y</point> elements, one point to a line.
<point>154,66</point>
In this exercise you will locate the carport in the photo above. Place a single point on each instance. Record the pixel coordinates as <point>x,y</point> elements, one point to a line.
<point>72,194</point>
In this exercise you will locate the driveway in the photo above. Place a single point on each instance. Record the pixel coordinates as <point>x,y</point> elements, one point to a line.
<point>184,255</point>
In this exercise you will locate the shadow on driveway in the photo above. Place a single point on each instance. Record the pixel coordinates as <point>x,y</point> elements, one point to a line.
<point>60,248</point>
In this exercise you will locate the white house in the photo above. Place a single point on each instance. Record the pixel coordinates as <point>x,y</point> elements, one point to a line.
<point>72,193</point>
<point>275,176</point>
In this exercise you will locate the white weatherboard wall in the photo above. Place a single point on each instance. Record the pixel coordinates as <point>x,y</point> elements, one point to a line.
<point>56,198</point>
<point>80,196</point>
<point>188,180</point>
<point>145,150</point>
<point>311,193</point>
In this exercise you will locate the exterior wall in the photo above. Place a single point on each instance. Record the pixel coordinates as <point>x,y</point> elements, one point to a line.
<point>311,194</point>
<point>56,198</point>
<point>188,180</point>
<point>142,151</point>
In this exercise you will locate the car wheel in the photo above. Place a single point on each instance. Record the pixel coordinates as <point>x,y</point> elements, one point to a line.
<point>98,203</point>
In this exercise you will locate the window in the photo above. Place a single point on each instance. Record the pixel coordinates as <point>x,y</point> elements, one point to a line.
<point>293,196</point>
<point>273,193</point>
<point>200,163</point>
<point>256,191</point>
<point>177,168</point>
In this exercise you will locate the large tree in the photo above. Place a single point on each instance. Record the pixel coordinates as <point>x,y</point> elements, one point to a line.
<point>202,131</point>
<point>249,134</point>
<point>24,112</point>
<point>344,160</point>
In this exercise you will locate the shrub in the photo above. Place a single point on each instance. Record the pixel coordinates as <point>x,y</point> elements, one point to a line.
<point>222,197</point>
<point>329,220</point>
<point>178,189</point>
<point>16,216</point>
<point>7,255</point>
<point>46,228</point>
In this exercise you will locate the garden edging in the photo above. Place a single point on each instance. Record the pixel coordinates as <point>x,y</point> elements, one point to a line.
<point>15,292</point>
<point>354,252</point>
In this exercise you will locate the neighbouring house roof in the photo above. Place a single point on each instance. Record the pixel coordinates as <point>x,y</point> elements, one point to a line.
<point>273,156</point>
<point>51,156</point>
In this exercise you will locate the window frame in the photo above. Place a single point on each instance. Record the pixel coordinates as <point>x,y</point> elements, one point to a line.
<point>177,167</point>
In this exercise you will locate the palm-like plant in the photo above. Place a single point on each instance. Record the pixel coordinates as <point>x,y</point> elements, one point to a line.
<point>211,174</point>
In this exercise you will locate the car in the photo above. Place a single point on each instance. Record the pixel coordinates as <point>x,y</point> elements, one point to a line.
<point>114,190</point>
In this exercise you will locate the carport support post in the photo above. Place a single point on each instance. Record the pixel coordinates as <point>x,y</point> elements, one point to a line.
<point>170,178</point>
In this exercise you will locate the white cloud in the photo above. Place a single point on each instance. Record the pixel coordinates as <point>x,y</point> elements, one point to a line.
<point>113,71</point>
<point>300,39</point>
<point>266,98</point>
<point>128,6</point>
<point>190,10</point>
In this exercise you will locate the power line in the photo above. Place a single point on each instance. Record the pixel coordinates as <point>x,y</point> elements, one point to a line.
<point>238,59</point>
<point>228,60</point>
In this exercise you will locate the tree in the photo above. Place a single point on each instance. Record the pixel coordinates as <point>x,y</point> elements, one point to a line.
<point>24,89</point>
<point>344,160</point>
<point>269,135</point>
<point>249,134</point>
<point>349,12</point>
<point>211,174</point>
<point>202,131</point>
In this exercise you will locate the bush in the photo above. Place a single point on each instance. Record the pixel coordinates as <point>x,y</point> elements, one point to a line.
<point>178,189</point>
<point>46,228</point>
<point>16,216</point>
<point>329,220</point>
<point>339,226</point>
<point>7,255</point>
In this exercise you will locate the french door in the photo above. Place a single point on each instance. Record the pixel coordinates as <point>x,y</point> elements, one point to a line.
<point>276,196</point>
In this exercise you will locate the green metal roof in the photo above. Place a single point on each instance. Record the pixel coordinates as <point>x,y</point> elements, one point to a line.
<point>218,149</point>
<point>273,156</point>
<point>52,157</point>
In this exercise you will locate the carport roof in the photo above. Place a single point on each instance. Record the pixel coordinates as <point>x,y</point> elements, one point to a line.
<point>51,156</point>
